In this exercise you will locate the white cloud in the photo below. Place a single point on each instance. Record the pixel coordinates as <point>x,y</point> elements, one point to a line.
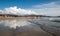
<point>51,9</point>
<point>15,10</point>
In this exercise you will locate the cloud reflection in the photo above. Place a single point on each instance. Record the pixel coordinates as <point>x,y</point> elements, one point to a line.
<point>14,23</point>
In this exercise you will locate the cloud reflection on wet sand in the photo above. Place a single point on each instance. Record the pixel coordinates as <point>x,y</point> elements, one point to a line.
<point>20,27</point>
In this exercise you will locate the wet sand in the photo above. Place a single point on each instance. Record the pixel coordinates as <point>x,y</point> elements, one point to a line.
<point>48,26</point>
<point>23,32</point>
<point>29,29</point>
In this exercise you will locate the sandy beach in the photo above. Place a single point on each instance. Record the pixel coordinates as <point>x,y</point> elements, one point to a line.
<point>7,28</point>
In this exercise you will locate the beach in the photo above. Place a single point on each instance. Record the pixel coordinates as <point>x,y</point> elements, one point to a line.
<point>20,27</point>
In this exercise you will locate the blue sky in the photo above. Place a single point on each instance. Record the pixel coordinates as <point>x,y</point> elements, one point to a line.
<point>39,7</point>
<point>22,3</point>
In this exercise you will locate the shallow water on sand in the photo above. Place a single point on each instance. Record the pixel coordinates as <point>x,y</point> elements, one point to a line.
<point>23,27</point>
<point>20,27</point>
<point>49,25</point>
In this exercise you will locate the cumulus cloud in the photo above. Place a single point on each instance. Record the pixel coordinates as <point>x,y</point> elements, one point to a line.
<point>18,11</point>
<point>51,9</point>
